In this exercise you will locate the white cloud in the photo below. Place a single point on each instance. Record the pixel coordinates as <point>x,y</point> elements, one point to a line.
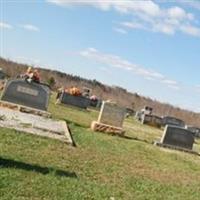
<point>132,25</point>
<point>192,3</point>
<point>148,15</point>
<point>117,62</point>
<point>5,26</point>
<point>25,60</point>
<point>178,13</point>
<point>170,82</point>
<point>191,30</point>
<point>127,6</point>
<point>120,30</point>
<point>30,27</point>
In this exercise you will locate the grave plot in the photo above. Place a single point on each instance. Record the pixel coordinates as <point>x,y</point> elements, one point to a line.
<point>177,138</point>
<point>77,101</point>
<point>37,125</point>
<point>110,119</point>
<point>152,120</point>
<point>23,107</point>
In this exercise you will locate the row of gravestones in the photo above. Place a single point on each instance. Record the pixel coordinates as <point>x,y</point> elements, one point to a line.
<point>110,119</point>
<point>157,121</point>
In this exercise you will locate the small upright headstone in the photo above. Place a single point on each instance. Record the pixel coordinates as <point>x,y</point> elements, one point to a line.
<point>2,75</point>
<point>2,79</point>
<point>110,119</point>
<point>194,130</point>
<point>147,110</point>
<point>77,101</point>
<point>152,120</point>
<point>167,120</point>
<point>177,138</point>
<point>130,112</point>
<point>27,94</point>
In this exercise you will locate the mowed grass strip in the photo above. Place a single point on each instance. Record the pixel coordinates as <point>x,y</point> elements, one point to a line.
<point>101,167</point>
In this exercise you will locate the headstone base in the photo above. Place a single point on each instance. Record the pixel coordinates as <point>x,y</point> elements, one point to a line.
<point>24,109</point>
<point>96,126</point>
<point>176,148</point>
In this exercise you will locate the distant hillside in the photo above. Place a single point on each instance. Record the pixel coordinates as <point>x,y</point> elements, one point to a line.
<point>118,94</point>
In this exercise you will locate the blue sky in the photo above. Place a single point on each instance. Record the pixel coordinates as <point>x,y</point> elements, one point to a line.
<point>147,47</point>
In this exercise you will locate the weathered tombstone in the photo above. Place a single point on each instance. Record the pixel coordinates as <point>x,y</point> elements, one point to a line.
<point>194,130</point>
<point>78,101</point>
<point>86,92</point>
<point>147,110</point>
<point>152,120</point>
<point>21,92</point>
<point>93,103</point>
<point>167,120</point>
<point>2,79</point>
<point>2,75</point>
<point>130,112</point>
<point>177,138</point>
<point>110,119</point>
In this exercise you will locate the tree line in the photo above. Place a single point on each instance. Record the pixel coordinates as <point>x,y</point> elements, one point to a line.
<point>118,94</point>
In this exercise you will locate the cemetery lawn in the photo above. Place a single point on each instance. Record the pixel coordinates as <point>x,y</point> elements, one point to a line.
<point>100,167</point>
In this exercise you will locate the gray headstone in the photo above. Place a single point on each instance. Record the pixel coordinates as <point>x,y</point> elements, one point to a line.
<point>21,92</point>
<point>78,101</point>
<point>2,75</point>
<point>178,137</point>
<point>130,111</point>
<point>111,114</point>
<point>167,120</point>
<point>194,130</point>
<point>152,120</point>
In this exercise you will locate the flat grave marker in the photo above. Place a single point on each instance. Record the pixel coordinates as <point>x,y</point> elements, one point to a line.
<point>34,124</point>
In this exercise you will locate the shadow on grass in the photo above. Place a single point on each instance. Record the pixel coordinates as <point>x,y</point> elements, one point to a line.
<point>136,139</point>
<point>75,123</point>
<point>8,163</point>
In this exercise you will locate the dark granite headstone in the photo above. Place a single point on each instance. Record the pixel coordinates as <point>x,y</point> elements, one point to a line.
<point>178,137</point>
<point>94,102</point>
<point>152,120</point>
<point>2,75</point>
<point>78,101</point>
<point>130,112</point>
<point>194,130</point>
<point>32,95</point>
<point>167,120</point>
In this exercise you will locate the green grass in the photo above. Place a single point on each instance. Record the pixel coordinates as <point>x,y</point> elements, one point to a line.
<point>101,167</point>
